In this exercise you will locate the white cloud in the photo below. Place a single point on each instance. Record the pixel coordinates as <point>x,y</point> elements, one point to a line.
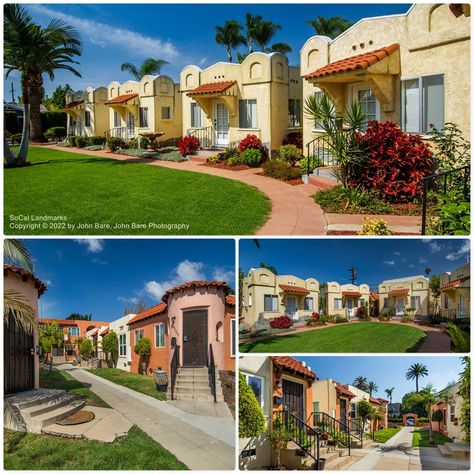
<point>389,262</point>
<point>92,245</point>
<point>221,274</point>
<point>397,254</point>
<point>104,35</point>
<point>461,252</point>
<point>132,300</point>
<point>48,283</point>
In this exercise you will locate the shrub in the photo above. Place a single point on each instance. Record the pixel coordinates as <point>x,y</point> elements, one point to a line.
<point>294,138</point>
<point>85,349</point>
<point>314,162</point>
<point>144,143</point>
<point>213,159</point>
<point>251,157</point>
<point>374,227</point>
<point>172,156</point>
<point>81,142</point>
<point>55,133</point>
<point>53,119</point>
<point>143,347</point>
<point>340,319</point>
<point>362,313</point>
<point>453,215</point>
<point>282,171</point>
<point>234,161</point>
<point>250,141</point>
<point>460,340</point>
<point>251,418</point>
<point>93,147</point>
<point>230,152</point>
<point>114,143</point>
<point>282,322</point>
<point>72,140</point>
<point>96,140</point>
<point>396,162</point>
<point>133,143</point>
<point>289,154</point>
<point>188,145</point>
<point>16,138</point>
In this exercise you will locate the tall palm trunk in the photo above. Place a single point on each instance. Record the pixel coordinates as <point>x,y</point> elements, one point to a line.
<point>229,54</point>
<point>36,85</point>
<point>250,43</point>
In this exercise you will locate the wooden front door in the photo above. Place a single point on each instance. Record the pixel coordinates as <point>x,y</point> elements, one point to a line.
<point>293,398</point>
<point>343,409</point>
<point>195,338</point>
<point>19,358</point>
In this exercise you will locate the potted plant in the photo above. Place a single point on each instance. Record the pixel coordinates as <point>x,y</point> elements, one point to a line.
<point>279,438</point>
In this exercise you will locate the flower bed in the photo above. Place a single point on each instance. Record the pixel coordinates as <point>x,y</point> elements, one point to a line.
<point>224,166</point>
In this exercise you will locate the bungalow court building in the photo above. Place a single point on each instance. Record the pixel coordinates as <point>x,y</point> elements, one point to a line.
<point>413,69</point>
<point>450,404</point>
<point>344,300</point>
<point>87,114</point>
<point>225,102</point>
<point>455,288</point>
<point>266,296</point>
<point>152,105</point>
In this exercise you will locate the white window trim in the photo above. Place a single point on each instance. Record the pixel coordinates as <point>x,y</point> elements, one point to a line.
<point>164,342</point>
<point>256,114</point>
<point>123,345</point>
<point>247,375</point>
<point>353,96</point>
<point>272,297</point>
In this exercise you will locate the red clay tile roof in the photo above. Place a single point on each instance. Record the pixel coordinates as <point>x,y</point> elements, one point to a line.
<point>73,104</point>
<point>212,88</point>
<point>294,289</point>
<point>148,313</point>
<point>24,274</point>
<point>375,296</point>
<point>354,294</point>
<point>453,283</point>
<point>230,300</point>
<point>195,284</point>
<point>294,365</point>
<point>63,322</point>
<point>399,292</point>
<point>377,401</point>
<point>383,401</point>
<point>343,390</point>
<point>121,99</point>
<point>360,61</point>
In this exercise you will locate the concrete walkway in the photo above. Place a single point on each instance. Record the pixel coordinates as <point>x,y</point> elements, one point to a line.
<point>200,442</point>
<point>436,342</point>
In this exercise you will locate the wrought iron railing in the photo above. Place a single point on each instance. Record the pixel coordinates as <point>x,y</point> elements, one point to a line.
<point>336,430</point>
<point>444,182</point>
<point>174,367</point>
<point>205,136</point>
<point>212,374</point>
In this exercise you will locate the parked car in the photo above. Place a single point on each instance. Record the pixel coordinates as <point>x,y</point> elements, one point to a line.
<point>410,422</point>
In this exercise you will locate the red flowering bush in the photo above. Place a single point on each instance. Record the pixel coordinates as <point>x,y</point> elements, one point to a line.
<point>315,316</point>
<point>361,312</point>
<point>294,138</point>
<point>188,145</point>
<point>282,322</point>
<point>250,141</point>
<point>396,163</point>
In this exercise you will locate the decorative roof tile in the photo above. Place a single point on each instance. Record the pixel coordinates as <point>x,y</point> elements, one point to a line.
<point>343,390</point>
<point>353,294</point>
<point>121,99</point>
<point>25,274</point>
<point>359,61</point>
<point>453,283</point>
<point>399,292</point>
<point>294,289</point>
<point>149,313</point>
<point>212,88</point>
<point>294,365</point>
<point>374,295</point>
<point>230,300</point>
<point>195,284</point>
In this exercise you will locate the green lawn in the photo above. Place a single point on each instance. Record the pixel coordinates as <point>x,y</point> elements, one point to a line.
<point>139,383</point>
<point>89,190</point>
<point>360,337</point>
<point>382,436</point>
<point>61,380</point>
<point>421,438</point>
<point>135,451</point>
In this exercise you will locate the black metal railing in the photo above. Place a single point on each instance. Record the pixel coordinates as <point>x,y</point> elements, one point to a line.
<point>336,430</point>
<point>205,136</point>
<point>174,366</point>
<point>303,435</point>
<point>212,374</point>
<point>444,182</point>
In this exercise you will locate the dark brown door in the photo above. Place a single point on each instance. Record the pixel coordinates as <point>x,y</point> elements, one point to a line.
<point>343,409</point>
<point>19,358</point>
<point>195,338</point>
<point>293,398</point>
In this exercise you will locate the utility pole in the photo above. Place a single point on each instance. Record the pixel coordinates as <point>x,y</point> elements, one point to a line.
<point>12,90</point>
<point>354,273</point>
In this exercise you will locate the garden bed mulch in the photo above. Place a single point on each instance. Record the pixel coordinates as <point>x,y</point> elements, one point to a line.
<point>223,166</point>
<point>349,232</point>
<point>291,182</point>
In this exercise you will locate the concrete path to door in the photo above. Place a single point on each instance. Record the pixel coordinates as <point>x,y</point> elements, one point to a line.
<point>200,442</point>
<point>397,454</point>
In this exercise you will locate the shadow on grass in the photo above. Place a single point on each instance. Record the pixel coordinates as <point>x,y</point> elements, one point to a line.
<point>417,346</point>
<point>58,380</point>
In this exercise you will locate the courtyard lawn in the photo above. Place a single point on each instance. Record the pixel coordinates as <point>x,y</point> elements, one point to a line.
<point>61,380</point>
<point>382,436</point>
<point>139,383</point>
<point>90,190</point>
<point>421,438</point>
<point>359,337</point>
<point>135,451</point>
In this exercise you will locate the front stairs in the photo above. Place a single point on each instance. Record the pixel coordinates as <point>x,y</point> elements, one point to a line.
<point>455,450</point>
<point>193,384</point>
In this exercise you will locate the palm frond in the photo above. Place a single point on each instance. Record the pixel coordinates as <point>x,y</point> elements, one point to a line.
<point>16,252</point>
<point>14,303</point>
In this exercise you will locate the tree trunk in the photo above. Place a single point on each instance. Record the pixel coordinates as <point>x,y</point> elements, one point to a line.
<point>229,55</point>
<point>431,441</point>
<point>35,112</point>
<point>250,45</point>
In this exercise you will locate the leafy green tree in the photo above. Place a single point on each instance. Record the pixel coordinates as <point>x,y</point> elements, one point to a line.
<point>241,57</point>
<point>259,31</point>
<point>438,416</point>
<point>80,317</point>
<point>415,371</point>
<point>389,392</point>
<point>110,345</point>
<point>331,27</point>
<point>251,418</point>
<point>85,349</point>
<point>372,387</point>
<point>279,438</point>
<point>365,411</point>
<point>57,101</point>
<point>283,48</point>
<point>51,336</point>
<point>413,402</point>
<point>269,267</point>
<point>149,66</point>
<point>230,36</point>
<point>143,349</point>
<point>465,393</point>
<point>429,397</point>
<point>360,382</point>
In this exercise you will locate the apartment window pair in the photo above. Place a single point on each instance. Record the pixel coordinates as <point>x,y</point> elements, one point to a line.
<point>160,336</point>
<point>423,104</point>
<point>415,302</point>
<point>87,118</point>
<point>197,116</point>
<point>248,113</point>
<point>337,303</point>
<point>270,303</point>
<point>294,113</point>
<point>73,331</point>
<point>308,304</point>
<point>122,345</point>
<point>256,383</point>
<point>143,117</point>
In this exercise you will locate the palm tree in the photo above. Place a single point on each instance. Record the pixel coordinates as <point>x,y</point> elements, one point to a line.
<point>415,371</point>
<point>251,25</point>
<point>372,387</point>
<point>282,48</point>
<point>230,36</point>
<point>427,271</point>
<point>264,33</point>
<point>50,337</point>
<point>332,26</point>
<point>429,397</point>
<point>389,392</point>
<point>149,66</point>
<point>360,382</point>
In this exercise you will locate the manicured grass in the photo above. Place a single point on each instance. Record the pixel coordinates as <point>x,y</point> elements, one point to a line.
<point>359,337</point>
<point>89,190</point>
<point>135,451</point>
<point>382,436</point>
<point>421,438</point>
<point>61,380</point>
<point>139,383</point>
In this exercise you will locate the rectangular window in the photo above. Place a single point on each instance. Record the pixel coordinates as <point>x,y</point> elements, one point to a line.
<point>197,118</point>
<point>139,333</point>
<point>143,117</point>
<point>353,411</point>
<point>446,302</point>
<point>415,301</point>
<point>433,102</point>
<point>250,300</point>
<point>386,303</point>
<point>87,118</point>
<point>270,303</point>
<point>165,113</point>
<point>308,304</point>
<point>452,414</point>
<point>122,345</point>
<point>256,384</point>
<point>160,336</point>
<point>337,303</point>
<point>232,337</point>
<point>294,113</point>
<point>73,331</point>
<point>116,119</point>
<point>248,113</point>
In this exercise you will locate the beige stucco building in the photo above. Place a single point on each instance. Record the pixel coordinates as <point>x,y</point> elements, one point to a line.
<point>450,405</point>
<point>402,293</point>
<point>455,290</point>
<point>151,105</point>
<point>413,68</point>
<point>225,102</point>
<point>345,299</point>
<point>87,114</point>
<point>266,296</point>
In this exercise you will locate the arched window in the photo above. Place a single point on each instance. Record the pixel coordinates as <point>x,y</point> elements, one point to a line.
<point>219,332</point>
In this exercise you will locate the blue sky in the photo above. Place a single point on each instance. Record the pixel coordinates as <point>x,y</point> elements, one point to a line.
<point>103,276</point>
<point>179,33</point>
<point>387,372</point>
<point>375,259</point>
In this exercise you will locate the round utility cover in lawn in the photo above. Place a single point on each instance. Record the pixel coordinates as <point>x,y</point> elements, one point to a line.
<point>81,416</point>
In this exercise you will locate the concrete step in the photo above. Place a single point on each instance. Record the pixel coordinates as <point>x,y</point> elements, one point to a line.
<point>192,385</point>
<point>458,450</point>
<point>193,371</point>
<point>444,451</point>
<point>322,182</point>
<point>37,423</point>
<point>47,406</point>
<point>339,464</point>
<point>31,398</point>
<point>195,390</point>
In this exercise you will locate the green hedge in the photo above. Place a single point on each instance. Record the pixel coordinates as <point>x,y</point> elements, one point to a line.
<point>11,122</point>
<point>53,119</point>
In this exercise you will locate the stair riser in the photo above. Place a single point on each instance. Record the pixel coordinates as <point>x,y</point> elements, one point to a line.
<point>42,401</point>
<point>37,423</point>
<point>45,408</point>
